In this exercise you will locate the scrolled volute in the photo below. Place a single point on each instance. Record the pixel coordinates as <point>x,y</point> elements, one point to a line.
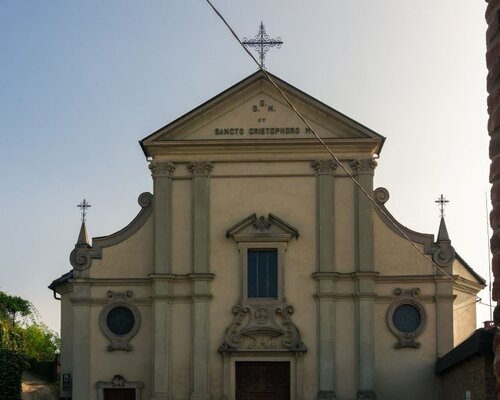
<point>80,258</point>
<point>381,195</point>
<point>443,254</point>
<point>145,199</point>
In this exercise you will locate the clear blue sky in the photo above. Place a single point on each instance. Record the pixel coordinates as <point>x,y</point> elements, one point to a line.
<point>82,81</point>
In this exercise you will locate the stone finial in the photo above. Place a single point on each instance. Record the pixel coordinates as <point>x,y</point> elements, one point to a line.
<point>363,166</point>
<point>80,258</point>
<point>443,232</point>
<point>83,239</point>
<point>162,168</point>
<point>327,166</point>
<point>200,168</point>
<point>444,252</point>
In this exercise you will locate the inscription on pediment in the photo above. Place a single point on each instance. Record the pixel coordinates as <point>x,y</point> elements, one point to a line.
<point>259,117</point>
<point>265,123</point>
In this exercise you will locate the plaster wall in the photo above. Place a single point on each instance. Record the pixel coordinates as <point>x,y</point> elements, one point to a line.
<point>134,365</point>
<point>405,373</point>
<point>464,316</point>
<point>132,258</point>
<point>394,255</point>
<point>459,269</point>
<point>291,198</point>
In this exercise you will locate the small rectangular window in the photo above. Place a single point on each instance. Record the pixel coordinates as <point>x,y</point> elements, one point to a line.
<point>263,273</point>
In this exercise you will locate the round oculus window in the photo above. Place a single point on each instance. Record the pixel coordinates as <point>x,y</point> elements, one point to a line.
<point>120,320</point>
<point>406,318</point>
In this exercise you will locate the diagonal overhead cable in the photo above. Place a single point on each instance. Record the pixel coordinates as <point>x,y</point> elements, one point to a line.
<point>335,158</point>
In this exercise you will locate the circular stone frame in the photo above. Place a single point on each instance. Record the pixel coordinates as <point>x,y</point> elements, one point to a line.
<point>406,339</point>
<point>119,342</point>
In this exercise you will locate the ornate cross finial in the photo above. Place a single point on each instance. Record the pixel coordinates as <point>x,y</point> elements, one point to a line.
<point>441,204</point>
<point>83,208</point>
<point>262,43</point>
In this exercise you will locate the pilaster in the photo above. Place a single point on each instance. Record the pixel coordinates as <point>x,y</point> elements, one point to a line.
<point>325,263</point>
<point>444,314</point>
<point>66,339</point>
<point>162,172</point>
<point>81,341</point>
<point>363,171</point>
<point>200,171</point>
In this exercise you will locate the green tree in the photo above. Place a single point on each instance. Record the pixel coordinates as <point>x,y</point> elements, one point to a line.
<point>12,359</point>
<point>40,343</point>
<point>13,306</point>
<point>22,339</point>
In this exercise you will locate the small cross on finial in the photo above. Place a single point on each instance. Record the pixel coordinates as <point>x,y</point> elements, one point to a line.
<point>262,43</point>
<point>83,206</point>
<point>441,204</point>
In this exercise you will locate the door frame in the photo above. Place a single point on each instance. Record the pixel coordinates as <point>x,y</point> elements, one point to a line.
<point>229,372</point>
<point>118,382</point>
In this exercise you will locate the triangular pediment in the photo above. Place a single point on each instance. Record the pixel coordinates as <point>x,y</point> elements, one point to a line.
<point>254,111</point>
<point>270,228</point>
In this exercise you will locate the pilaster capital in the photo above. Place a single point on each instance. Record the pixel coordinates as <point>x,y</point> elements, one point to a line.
<point>364,167</point>
<point>323,167</point>
<point>162,169</point>
<point>200,168</point>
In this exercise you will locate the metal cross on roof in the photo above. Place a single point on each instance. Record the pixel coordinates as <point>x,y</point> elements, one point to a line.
<point>83,206</point>
<point>441,204</point>
<point>262,43</point>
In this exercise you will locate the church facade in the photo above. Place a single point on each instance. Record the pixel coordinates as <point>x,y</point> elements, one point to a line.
<point>258,269</point>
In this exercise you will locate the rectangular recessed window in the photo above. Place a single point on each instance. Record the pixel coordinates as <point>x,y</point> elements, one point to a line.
<point>263,273</point>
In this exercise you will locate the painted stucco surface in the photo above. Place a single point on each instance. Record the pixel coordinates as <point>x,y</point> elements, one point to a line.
<point>343,267</point>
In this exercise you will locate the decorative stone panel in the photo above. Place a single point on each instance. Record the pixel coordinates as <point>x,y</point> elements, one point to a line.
<point>262,327</point>
<point>407,334</point>
<point>120,321</point>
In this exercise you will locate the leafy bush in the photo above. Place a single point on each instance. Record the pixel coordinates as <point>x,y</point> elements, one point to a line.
<point>12,360</point>
<point>21,343</point>
<point>40,343</point>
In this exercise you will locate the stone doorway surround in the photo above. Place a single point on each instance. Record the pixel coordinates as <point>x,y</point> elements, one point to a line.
<point>262,380</point>
<point>229,371</point>
<point>118,382</point>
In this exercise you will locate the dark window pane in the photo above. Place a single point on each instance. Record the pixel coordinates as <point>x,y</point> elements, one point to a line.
<point>252,273</point>
<point>263,273</point>
<point>120,320</point>
<point>406,318</point>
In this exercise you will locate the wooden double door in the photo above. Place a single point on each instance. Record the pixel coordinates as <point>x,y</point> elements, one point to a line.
<point>119,394</point>
<point>262,380</point>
